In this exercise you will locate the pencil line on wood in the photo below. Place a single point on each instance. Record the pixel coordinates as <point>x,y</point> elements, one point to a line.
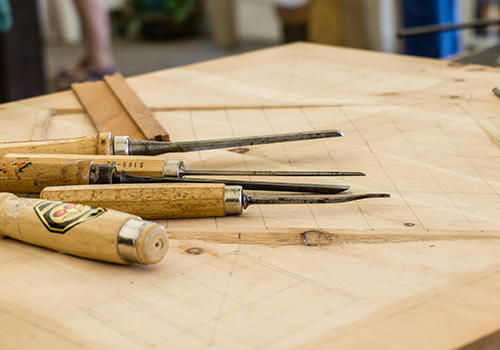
<point>216,108</point>
<point>46,124</point>
<point>63,111</point>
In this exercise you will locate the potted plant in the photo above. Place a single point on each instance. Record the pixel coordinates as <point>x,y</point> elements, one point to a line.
<point>167,19</point>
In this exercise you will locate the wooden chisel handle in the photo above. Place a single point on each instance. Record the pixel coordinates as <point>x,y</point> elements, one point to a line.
<point>137,165</point>
<point>155,201</point>
<point>89,232</point>
<point>99,144</point>
<point>25,176</point>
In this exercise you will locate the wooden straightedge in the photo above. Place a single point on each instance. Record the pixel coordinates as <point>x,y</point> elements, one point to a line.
<point>114,107</point>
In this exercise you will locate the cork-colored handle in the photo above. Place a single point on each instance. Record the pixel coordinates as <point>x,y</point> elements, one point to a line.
<point>99,144</point>
<point>136,165</point>
<point>89,232</point>
<point>149,201</point>
<point>31,176</point>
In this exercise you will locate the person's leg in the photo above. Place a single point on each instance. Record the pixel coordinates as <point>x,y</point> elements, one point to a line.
<point>96,27</point>
<point>98,60</point>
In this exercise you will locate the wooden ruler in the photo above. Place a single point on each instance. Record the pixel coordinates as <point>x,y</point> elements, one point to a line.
<point>114,107</point>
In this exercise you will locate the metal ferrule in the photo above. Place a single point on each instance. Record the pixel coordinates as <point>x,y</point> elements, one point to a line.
<point>173,168</point>
<point>121,145</point>
<point>233,200</point>
<point>127,239</point>
<point>101,174</point>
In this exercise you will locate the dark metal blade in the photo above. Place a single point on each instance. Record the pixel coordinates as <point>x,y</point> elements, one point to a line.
<point>309,200</point>
<point>270,173</point>
<point>123,177</point>
<point>140,147</point>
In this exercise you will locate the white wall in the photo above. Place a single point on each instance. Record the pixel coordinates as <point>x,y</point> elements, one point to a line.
<point>60,22</point>
<point>382,22</point>
<point>258,20</point>
<point>113,4</point>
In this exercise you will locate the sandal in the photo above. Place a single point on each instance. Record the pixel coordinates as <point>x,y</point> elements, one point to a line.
<point>80,74</point>
<point>72,71</point>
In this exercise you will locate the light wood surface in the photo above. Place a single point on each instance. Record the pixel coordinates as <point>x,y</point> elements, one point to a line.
<point>418,270</point>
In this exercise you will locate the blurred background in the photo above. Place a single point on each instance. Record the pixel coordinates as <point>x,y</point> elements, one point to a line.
<point>149,35</point>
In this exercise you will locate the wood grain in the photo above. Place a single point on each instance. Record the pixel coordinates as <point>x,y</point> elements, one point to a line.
<point>149,201</point>
<point>137,110</point>
<point>99,144</point>
<point>114,107</point>
<point>137,165</point>
<point>312,237</point>
<point>33,176</point>
<point>94,237</point>
<point>418,270</point>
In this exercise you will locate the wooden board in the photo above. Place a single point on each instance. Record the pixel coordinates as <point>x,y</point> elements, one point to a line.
<point>114,107</point>
<point>418,270</point>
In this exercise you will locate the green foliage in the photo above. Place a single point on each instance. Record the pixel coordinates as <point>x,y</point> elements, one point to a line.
<point>178,9</point>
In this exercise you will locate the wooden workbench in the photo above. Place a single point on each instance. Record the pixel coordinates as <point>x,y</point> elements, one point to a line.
<point>420,270</point>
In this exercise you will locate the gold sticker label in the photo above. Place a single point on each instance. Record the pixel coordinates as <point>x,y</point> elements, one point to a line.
<point>60,217</point>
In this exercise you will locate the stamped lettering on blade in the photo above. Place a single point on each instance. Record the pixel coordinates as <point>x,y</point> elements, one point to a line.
<point>60,217</point>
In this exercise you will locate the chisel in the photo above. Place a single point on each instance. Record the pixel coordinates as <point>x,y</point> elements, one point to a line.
<point>173,201</point>
<point>87,231</point>
<point>104,143</point>
<point>155,166</point>
<point>32,176</point>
